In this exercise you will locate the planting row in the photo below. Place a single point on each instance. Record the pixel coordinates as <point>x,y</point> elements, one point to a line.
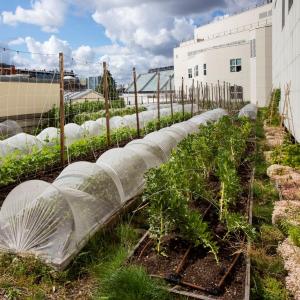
<point>54,221</point>
<point>24,143</point>
<point>16,167</point>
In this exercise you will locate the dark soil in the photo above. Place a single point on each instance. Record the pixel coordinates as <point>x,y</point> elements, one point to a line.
<point>200,267</point>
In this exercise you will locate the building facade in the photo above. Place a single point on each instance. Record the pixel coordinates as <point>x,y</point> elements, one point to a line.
<point>235,49</point>
<point>286,60</point>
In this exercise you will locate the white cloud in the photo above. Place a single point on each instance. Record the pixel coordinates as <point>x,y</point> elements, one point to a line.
<point>48,14</point>
<point>18,41</point>
<point>143,32</point>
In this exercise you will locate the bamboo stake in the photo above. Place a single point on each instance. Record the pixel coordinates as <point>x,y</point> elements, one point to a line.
<point>198,96</point>
<point>182,96</point>
<point>158,100</point>
<point>171,98</point>
<point>192,98</point>
<point>62,109</point>
<point>136,104</point>
<point>105,90</point>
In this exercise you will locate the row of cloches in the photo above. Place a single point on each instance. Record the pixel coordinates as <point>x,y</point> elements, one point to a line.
<point>55,221</point>
<point>24,143</point>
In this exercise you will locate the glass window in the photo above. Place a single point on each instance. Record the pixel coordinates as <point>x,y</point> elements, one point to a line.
<point>204,70</point>
<point>190,73</point>
<point>196,71</point>
<point>236,65</point>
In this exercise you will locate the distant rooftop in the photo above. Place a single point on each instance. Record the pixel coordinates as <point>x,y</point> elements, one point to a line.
<point>147,83</point>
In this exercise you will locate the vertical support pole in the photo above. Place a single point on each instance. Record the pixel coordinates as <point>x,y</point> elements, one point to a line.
<point>224,94</point>
<point>158,100</point>
<point>198,96</point>
<point>192,98</point>
<point>105,90</point>
<point>171,98</point>
<point>136,103</point>
<point>182,96</point>
<point>212,95</point>
<point>62,109</point>
<point>219,94</point>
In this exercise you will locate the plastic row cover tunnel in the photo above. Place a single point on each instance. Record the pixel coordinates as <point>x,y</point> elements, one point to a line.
<point>54,221</point>
<point>249,111</point>
<point>25,143</point>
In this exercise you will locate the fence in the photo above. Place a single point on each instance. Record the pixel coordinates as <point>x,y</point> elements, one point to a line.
<point>55,108</point>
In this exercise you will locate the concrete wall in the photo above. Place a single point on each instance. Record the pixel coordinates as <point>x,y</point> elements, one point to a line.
<point>216,43</point>
<point>286,59</point>
<point>22,98</point>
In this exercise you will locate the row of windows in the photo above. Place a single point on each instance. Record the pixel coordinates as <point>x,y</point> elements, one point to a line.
<point>290,4</point>
<point>235,66</point>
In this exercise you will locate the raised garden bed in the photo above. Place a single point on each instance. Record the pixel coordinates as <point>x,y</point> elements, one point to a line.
<point>193,271</point>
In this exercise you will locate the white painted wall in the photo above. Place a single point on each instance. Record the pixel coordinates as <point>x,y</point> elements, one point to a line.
<point>286,58</point>
<point>216,43</point>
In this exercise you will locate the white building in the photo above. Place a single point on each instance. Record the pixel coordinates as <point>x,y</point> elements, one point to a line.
<point>235,49</point>
<point>286,58</point>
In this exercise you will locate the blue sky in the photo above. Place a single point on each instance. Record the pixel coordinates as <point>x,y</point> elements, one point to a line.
<point>125,33</point>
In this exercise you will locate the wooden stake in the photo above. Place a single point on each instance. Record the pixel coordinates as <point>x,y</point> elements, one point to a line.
<point>182,96</point>
<point>192,98</point>
<point>105,90</point>
<point>198,96</point>
<point>171,98</point>
<point>136,104</point>
<point>158,100</point>
<point>62,109</point>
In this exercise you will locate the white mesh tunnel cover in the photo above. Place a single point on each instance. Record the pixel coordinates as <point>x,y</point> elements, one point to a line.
<point>162,139</point>
<point>249,111</point>
<point>23,142</point>
<point>49,135</point>
<point>128,166</point>
<point>54,221</point>
<point>152,154</point>
<point>92,128</point>
<point>9,128</point>
<point>73,133</point>
<point>35,218</point>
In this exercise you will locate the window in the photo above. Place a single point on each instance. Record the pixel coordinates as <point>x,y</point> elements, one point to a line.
<point>236,65</point>
<point>290,4</point>
<point>196,71</point>
<point>204,70</point>
<point>190,73</point>
<point>252,48</point>
<point>283,13</point>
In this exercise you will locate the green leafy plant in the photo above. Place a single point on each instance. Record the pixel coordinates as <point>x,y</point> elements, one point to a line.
<point>81,118</point>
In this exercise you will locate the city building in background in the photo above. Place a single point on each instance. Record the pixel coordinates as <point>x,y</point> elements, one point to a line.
<point>235,49</point>
<point>93,82</point>
<point>147,84</point>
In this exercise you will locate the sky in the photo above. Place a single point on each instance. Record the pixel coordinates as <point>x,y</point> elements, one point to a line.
<point>124,33</point>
